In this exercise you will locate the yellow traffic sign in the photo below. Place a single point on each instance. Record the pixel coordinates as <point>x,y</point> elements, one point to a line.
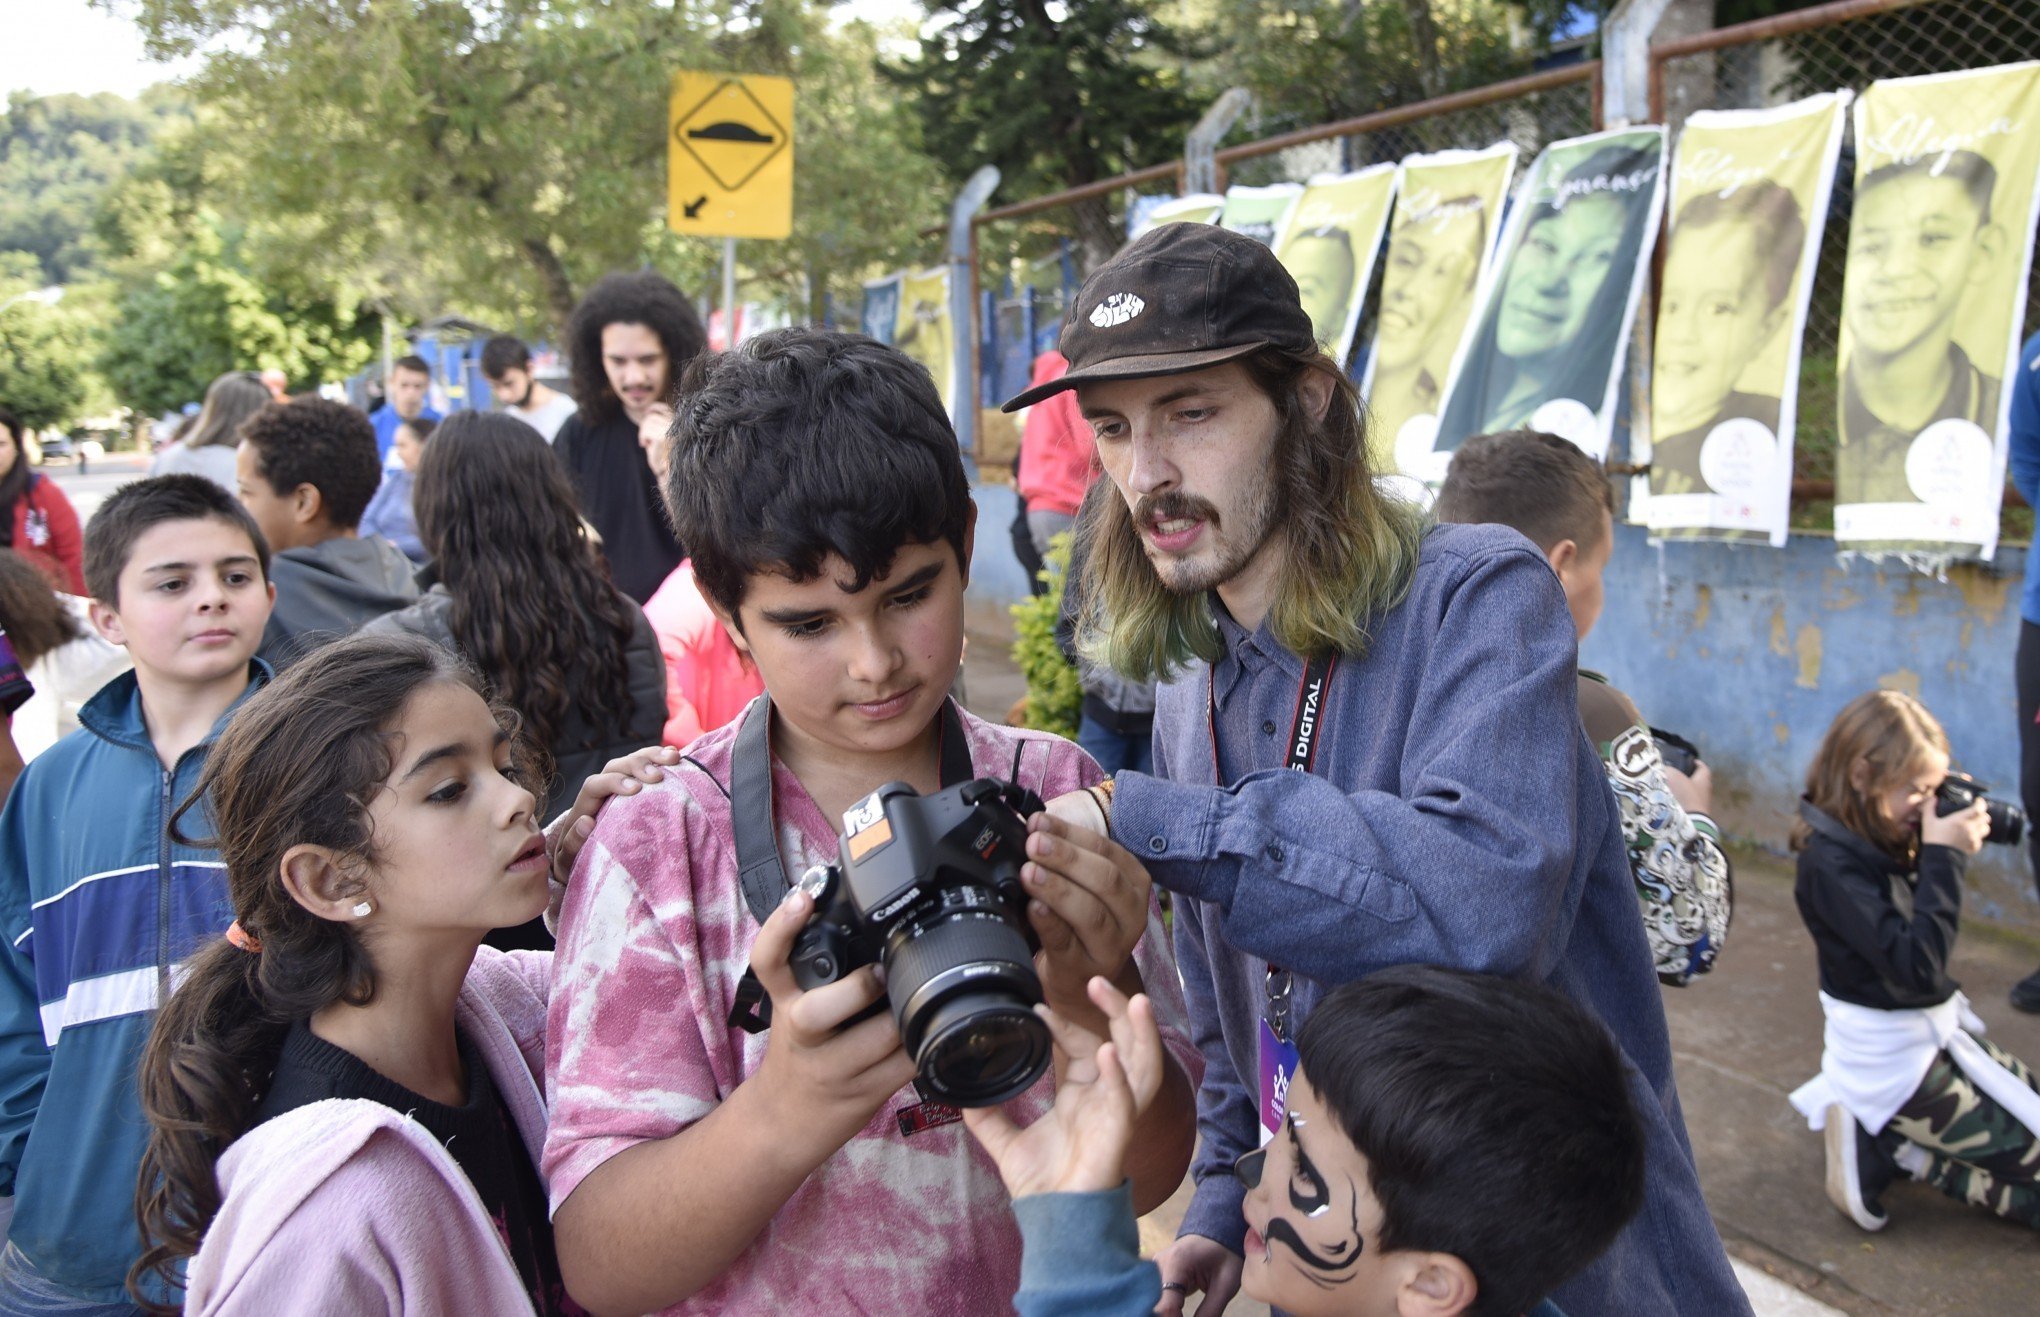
<point>729,153</point>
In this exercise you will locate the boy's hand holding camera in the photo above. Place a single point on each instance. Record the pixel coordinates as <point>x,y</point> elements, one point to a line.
<point>1965,830</point>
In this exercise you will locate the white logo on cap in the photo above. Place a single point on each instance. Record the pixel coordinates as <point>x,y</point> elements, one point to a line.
<point>1116,310</point>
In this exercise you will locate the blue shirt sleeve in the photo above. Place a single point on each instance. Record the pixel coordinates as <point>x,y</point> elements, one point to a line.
<point>2025,441</point>
<point>24,1057</point>
<point>1080,1257</point>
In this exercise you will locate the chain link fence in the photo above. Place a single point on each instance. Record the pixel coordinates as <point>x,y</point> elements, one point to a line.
<point>1768,63</point>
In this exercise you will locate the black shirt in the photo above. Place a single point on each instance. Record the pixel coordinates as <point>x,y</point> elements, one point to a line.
<point>1875,471</point>
<point>1883,930</point>
<point>621,500</point>
<point>481,1136</point>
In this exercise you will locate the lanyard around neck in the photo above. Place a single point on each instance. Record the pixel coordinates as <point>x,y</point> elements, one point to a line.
<point>1301,754</point>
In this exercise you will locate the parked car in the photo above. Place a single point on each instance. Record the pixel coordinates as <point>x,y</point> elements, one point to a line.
<point>57,445</point>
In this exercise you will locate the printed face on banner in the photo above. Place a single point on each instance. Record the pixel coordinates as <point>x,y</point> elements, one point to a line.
<point>1730,311</point>
<point>923,332</point>
<point>881,309</point>
<point>1555,322</point>
<point>1446,222</point>
<point>1259,212</point>
<point>1940,239</point>
<point>1329,245</point>
<point>1197,208</point>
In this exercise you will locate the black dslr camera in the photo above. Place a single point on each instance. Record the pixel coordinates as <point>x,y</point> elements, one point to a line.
<point>1958,791</point>
<point>930,887</point>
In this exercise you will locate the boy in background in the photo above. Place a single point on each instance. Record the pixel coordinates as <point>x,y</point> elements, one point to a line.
<point>100,897</point>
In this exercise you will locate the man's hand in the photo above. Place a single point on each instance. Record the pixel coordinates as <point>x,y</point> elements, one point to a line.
<point>1089,907</point>
<point>651,436</point>
<point>825,1080</point>
<point>1196,1265</point>
<point>619,777</point>
<point>1080,1145</point>
<point>1695,791</point>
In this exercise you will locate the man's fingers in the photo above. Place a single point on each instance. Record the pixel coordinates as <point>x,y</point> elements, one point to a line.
<point>1054,931</point>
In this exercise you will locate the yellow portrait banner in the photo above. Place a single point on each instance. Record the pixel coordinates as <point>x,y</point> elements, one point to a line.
<point>923,330</point>
<point>1329,244</point>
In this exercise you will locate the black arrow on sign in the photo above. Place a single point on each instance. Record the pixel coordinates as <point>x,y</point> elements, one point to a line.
<point>692,209</point>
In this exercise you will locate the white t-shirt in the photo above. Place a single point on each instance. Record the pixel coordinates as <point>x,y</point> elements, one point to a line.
<point>548,419</point>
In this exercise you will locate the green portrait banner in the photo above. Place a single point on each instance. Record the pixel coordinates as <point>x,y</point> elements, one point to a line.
<point>1328,245</point>
<point>1259,212</point>
<point>1554,317</point>
<point>881,314</point>
<point>1197,208</point>
<point>923,330</point>
<point>1940,240</point>
<point>1441,243</point>
<point>1749,197</point>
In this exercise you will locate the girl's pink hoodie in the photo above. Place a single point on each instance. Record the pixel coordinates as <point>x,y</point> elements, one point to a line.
<point>348,1206</point>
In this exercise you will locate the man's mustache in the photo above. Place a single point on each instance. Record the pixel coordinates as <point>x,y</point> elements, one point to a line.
<point>1172,506</point>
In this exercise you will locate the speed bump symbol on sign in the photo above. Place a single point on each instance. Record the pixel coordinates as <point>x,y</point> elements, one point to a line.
<point>731,157</point>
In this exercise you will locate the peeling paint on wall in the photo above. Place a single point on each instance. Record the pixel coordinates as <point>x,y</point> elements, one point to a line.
<point>1780,645</point>
<point>1808,645</point>
<point>1904,679</point>
<point>1703,604</point>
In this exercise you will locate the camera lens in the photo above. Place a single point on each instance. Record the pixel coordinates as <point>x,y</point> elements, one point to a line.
<point>963,989</point>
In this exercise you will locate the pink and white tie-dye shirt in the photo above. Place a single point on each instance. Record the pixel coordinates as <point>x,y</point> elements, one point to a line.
<point>655,936</point>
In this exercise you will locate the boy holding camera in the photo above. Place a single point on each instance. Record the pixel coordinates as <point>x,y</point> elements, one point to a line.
<point>695,1167</point>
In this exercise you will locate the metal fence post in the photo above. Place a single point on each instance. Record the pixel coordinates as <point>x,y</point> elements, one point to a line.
<point>1625,61</point>
<point>1200,149</point>
<point>963,302</point>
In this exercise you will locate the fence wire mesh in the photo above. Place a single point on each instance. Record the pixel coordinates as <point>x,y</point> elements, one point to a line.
<point>1928,36</point>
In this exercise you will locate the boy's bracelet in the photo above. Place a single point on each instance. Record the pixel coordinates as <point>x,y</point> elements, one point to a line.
<point>1101,795</point>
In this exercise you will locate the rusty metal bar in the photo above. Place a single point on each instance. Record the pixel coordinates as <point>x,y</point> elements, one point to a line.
<point>1152,174</point>
<point>1398,115</point>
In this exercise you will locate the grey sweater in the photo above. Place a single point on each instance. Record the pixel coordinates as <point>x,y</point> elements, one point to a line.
<point>1457,816</point>
<point>330,590</point>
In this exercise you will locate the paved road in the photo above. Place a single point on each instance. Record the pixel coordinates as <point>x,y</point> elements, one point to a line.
<point>89,490</point>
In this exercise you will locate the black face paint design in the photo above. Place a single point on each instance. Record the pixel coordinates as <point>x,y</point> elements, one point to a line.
<point>1311,1195</point>
<point>1246,1168</point>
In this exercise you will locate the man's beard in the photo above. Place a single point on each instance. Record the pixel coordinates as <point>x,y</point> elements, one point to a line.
<point>1255,517</point>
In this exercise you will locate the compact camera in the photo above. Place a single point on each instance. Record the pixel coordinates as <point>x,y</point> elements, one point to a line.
<point>929,886</point>
<point>1958,791</point>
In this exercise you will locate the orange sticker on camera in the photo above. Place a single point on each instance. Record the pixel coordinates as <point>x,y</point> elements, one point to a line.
<point>869,840</point>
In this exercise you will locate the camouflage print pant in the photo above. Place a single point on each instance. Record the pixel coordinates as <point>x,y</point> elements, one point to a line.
<point>1979,1153</point>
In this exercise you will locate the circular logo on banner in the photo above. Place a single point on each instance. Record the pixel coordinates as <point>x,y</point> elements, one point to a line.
<point>1949,463</point>
<point>1413,449</point>
<point>1569,419</point>
<point>1737,458</point>
<point>1413,492</point>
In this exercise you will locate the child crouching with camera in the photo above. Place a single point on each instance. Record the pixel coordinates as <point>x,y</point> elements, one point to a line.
<point>1906,1084</point>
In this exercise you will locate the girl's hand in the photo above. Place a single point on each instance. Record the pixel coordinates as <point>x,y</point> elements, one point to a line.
<point>1964,830</point>
<point>1080,1145</point>
<point>619,777</point>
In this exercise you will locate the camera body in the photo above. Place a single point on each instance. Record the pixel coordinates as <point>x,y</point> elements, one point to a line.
<point>1958,791</point>
<point>929,887</point>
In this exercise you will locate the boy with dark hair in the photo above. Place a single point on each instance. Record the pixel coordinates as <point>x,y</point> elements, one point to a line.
<point>1560,499</point>
<point>627,342</point>
<point>1405,1179</point>
<point>506,365</point>
<point>100,898</point>
<point>695,1167</point>
<point>306,471</point>
<point>404,400</point>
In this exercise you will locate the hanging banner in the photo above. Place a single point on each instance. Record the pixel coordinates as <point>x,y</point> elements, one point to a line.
<point>1750,190</point>
<point>1197,208</point>
<point>923,331</point>
<point>1940,240</point>
<point>1442,240</point>
<point>1259,212</point>
<point>1554,317</point>
<point>1328,245</point>
<point>881,314</point>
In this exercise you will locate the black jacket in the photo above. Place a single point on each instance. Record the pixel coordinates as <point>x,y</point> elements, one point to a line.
<point>1883,932</point>
<point>621,501</point>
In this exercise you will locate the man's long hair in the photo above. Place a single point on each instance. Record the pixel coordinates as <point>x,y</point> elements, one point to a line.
<point>1350,550</point>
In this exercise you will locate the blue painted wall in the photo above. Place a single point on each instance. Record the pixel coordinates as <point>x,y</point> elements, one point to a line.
<point>1750,653</point>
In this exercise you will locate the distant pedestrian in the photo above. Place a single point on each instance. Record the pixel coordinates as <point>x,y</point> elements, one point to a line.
<point>629,338</point>
<point>506,365</point>
<point>207,449</point>
<point>36,520</point>
<point>389,514</point>
<point>404,399</point>
<point>1907,1084</point>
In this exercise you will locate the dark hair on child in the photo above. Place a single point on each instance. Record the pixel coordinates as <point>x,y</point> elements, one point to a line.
<point>327,445</point>
<point>1538,483</point>
<point>801,443</point>
<point>504,353</point>
<point>412,362</point>
<point>1976,174</point>
<point>297,765</point>
<point>532,605</point>
<point>420,426</point>
<point>1765,210</point>
<point>34,619</point>
<point>132,510</point>
<point>1885,734</point>
<point>640,297</point>
<point>14,480</point>
<point>1495,1117</point>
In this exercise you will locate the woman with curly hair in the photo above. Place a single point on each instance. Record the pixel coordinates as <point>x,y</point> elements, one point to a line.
<point>521,593</point>
<point>628,339</point>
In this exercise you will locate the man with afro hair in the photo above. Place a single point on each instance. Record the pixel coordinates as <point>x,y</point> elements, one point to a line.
<point>628,339</point>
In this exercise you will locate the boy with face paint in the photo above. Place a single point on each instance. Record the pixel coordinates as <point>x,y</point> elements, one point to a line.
<point>1365,1204</point>
<point>1920,238</point>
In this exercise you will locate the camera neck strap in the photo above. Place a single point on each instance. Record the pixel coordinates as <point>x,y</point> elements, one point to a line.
<point>760,870</point>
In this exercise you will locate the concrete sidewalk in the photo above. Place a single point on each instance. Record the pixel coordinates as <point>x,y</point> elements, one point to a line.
<point>1743,1038</point>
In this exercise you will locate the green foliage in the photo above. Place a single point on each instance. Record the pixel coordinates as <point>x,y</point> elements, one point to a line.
<point>42,353</point>
<point>1055,699</point>
<point>58,157</point>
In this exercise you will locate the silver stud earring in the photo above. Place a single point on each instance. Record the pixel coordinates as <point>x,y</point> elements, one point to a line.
<point>362,909</point>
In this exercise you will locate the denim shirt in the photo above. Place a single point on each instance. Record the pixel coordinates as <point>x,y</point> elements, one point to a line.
<point>1456,816</point>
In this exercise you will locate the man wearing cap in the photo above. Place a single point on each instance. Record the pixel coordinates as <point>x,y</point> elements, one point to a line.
<point>1444,808</point>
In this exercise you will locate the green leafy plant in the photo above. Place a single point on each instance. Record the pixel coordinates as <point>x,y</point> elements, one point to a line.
<point>1054,697</point>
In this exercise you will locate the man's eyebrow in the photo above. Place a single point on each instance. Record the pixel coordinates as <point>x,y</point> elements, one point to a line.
<point>1173,395</point>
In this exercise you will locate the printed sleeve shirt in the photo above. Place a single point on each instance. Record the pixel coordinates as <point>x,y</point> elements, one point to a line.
<point>654,938</point>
